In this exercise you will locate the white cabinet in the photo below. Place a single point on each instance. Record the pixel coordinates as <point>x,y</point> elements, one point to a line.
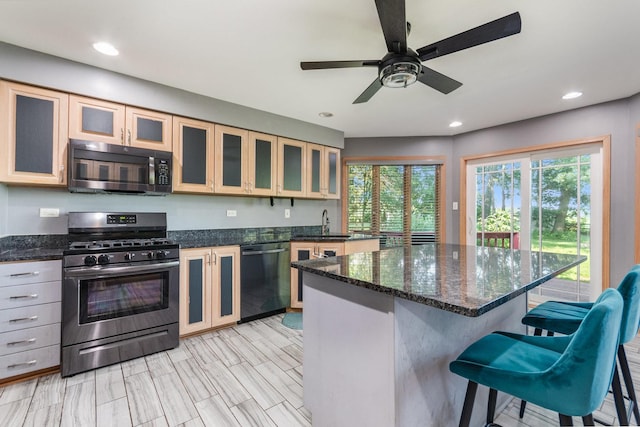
<point>30,296</point>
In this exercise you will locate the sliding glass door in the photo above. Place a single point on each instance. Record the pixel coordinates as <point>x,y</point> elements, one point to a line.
<point>547,201</point>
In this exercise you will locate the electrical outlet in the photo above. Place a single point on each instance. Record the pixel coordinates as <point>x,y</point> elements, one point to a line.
<point>287,213</point>
<point>232,212</point>
<point>49,212</point>
<point>455,206</point>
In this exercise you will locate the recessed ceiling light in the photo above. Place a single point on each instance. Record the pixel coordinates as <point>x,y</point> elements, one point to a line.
<point>105,48</point>
<point>455,124</point>
<point>572,95</point>
<point>325,114</point>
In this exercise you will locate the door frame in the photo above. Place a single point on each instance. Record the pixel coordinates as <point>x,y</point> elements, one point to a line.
<point>606,188</point>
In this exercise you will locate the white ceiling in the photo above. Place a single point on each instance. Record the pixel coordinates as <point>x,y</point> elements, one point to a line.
<point>248,52</point>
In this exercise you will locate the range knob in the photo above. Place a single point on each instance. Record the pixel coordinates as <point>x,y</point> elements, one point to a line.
<point>129,256</point>
<point>161,254</point>
<point>149,254</point>
<point>103,259</point>
<point>90,260</point>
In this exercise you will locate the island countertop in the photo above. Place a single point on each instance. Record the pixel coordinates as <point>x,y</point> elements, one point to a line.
<point>467,280</point>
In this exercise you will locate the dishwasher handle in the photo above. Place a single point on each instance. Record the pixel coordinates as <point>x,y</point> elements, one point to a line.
<point>268,251</point>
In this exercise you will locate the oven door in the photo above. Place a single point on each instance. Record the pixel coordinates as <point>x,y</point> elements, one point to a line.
<point>104,301</point>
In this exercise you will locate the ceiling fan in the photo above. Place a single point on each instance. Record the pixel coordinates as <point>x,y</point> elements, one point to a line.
<point>402,66</point>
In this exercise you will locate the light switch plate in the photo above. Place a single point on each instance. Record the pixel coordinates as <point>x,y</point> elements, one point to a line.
<point>232,212</point>
<point>455,206</point>
<point>49,212</point>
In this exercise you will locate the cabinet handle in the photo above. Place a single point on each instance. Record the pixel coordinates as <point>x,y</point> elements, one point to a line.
<point>32,296</point>
<point>24,319</point>
<point>61,174</point>
<point>129,136</point>
<point>29,341</point>
<point>18,275</point>
<point>208,259</point>
<point>215,258</point>
<point>17,365</point>
<point>279,188</point>
<point>122,136</point>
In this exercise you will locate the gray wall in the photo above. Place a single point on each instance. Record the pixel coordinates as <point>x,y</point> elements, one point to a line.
<point>36,68</point>
<point>184,211</point>
<point>617,119</point>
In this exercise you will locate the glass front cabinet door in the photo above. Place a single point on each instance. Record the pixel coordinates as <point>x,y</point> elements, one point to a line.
<point>231,160</point>
<point>322,172</point>
<point>34,134</point>
<point>263,156</point>
<point>102,121</point>
<point>193,151</point>
<point>291,168</point>
<point>209,288</point>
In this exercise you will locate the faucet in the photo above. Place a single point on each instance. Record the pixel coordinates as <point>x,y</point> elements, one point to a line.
<point>325,222</point>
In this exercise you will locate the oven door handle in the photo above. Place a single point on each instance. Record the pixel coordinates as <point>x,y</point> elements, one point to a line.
<point>102,271</point>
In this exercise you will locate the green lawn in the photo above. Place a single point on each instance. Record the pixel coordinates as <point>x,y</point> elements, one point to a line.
<point>551,244</point>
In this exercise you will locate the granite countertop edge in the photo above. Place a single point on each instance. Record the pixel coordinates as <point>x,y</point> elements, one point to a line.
<point>477,311</point>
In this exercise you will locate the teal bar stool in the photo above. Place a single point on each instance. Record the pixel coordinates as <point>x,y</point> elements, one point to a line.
<point>565,317</point>
<point>566,374</point>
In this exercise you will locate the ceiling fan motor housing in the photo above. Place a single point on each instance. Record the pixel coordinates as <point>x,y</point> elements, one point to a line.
<point>399,69</point>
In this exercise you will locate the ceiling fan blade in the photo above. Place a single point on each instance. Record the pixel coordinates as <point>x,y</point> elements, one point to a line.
<point>369,92</point>
<point>322,65</point>
<point>394,24</point>
<point>494,30</point>
<point>438,81</point>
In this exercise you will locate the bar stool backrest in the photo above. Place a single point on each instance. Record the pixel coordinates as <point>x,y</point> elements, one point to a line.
<point>629,289</point>
<point>587,363</point>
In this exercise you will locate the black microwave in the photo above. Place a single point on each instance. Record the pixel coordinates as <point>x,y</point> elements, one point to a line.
<point>98,167</point>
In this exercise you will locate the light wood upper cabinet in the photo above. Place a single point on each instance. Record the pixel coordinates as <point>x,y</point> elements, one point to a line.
<point>33,135</point>
<point>245,162</point>
<point>231,160</point>
<point>292,163</point>
<point>323,179</point>
<point>193,152</point>
<point>102,121</point>
<point>263,164</point>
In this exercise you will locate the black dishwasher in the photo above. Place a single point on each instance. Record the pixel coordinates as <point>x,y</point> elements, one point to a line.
<point>265,280</point>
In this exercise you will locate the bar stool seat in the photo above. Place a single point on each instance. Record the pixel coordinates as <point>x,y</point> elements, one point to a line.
<point>566,374</point>
<point>565,318</point>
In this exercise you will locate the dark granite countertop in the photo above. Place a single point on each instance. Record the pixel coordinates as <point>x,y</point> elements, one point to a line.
<point>467,280</point>
<point>47,247</point>
<point>332,237</point>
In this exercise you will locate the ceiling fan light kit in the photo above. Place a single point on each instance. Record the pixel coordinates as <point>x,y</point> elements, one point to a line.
<point>402,66</point>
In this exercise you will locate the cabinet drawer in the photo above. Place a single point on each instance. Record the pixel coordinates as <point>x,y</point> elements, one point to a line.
<point>31,294</point>
<point>29,339</point>
<point>29,317</point>
<point>30,360</point>
<point>20,273</point>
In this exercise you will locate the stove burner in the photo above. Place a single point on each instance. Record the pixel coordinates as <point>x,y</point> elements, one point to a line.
<point>125,243</point>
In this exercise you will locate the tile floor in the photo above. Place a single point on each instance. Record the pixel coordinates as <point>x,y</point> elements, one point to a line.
<point>247,375</point>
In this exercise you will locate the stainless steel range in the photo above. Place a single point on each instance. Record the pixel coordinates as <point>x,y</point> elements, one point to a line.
<point>120,296</point>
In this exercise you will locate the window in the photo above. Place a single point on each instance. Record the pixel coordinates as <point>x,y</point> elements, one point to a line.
<point>400,202</point>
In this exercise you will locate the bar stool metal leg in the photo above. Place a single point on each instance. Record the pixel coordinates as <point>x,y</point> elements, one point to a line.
<point>618,398</point>
<point>491,407</point>
<point>628,382</point>
<point>469,397</point>
<point>565,420</point>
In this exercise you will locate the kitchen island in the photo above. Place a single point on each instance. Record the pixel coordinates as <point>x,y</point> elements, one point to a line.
<point>380,328</point>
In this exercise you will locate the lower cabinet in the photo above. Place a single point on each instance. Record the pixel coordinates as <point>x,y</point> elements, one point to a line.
<point>311,250</point>
<point>209,288</point>
<point>30,295</point>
